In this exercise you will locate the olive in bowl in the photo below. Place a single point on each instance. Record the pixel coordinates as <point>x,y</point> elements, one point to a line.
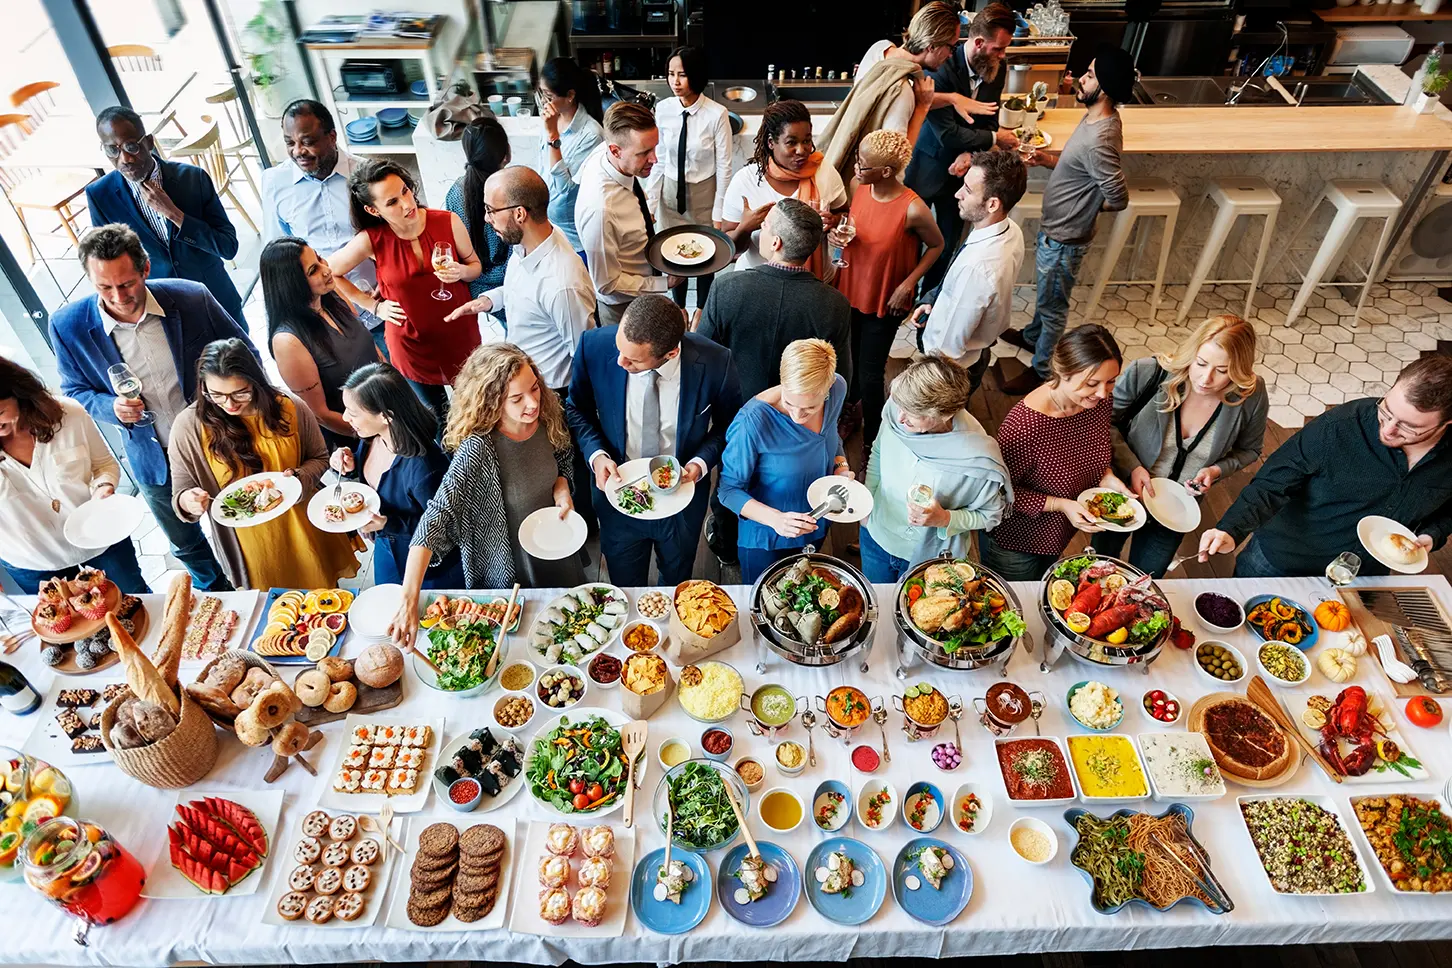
<point>561,687</point>
<point>1220,661</point>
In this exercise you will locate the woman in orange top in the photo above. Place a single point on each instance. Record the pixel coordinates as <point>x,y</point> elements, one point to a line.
<point>897,241</point>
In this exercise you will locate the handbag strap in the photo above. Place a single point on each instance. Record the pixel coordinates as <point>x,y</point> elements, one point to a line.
<point>1141,401</point>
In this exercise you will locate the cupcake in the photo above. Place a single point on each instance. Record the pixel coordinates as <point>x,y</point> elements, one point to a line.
<point>91,578</point>
<point>54,591</point>
<point>90,603</point>
<point>554,870</point>
<point>598,841</point>
<point>595,872</point>
<point>54,616</point>
<point>589,906</point>
<point>554,904</point>
<point>562,839</point>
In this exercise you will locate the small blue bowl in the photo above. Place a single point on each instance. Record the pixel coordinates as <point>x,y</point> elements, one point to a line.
<point>718,757</point>
<point>924,788</point>
<point>1069,698</point>
<point>844,809</point>
<point>469,804</point>
<point>419,88</point>
<point>392,117</point>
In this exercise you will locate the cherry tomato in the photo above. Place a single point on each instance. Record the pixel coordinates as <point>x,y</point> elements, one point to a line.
<point>581,802</point>
<point>1424,711</point>
<point>577,785</point>
<point>595,792</point>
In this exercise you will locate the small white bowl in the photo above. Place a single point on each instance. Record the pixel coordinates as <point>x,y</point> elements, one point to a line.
<point>520,728</point>
<point>1033,823</point>
<point>596,682</point>
<point>669,740</point>
<point>574,671</point>
<point>1219,629</point>
<point>783,769</point>
<point>801,810</point>
<point>1234,652</point>
<point>533,674</point>
<point>1170,696</point>
<point>889,809</point>
<point>660,635</point>
<point>752,787</point>
<point>820,802</point>
<point>1271,677</point>
<point>985,811</point>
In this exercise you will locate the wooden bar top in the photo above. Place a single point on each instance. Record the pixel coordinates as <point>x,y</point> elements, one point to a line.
<point>1253,130</point>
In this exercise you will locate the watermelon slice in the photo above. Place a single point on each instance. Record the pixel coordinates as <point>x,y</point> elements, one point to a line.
<point>216,843</point>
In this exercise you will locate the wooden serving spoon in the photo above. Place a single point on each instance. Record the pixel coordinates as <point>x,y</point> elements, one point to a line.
<point>632,742</point>
<point>740,820</point>
<point>1259,693</point>
<point>493,662</point>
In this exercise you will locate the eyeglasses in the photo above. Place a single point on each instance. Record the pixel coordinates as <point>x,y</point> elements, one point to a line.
<point>130,147</point>
<point>240,396</point>
<point>1413,434</point>
<point>491,210</point>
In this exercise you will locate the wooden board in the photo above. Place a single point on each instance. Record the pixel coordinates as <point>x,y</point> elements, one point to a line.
<point>82,626</point>
<point>369,700</point>
<point>1371,627</point>
<point>68,666</point>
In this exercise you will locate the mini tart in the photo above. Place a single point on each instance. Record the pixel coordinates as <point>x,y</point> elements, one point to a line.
<point>335,855</point>
<point>343,828</point>
<point>354,501</point>
<point>598,841</point>
<point>365,851</point>
<point>315,823</point>
<point>356,879</point>
<point>301,879</point>
<point>349,906</point>
<point>595,872</point>
<point>554,870</point>
<point>320,909</point>
<point>328,881</point>
<point>292,905</point>
<point>589,906</point>
<point>554,905</point>
<point>562,839</point>
<point>307,851</point>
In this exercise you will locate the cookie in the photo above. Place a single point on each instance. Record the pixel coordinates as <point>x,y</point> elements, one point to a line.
<point>365,851</point>
<point>466,883</point>
<point>315,823</point>
<point>424,862</point>
<point>426,917</point>
<point>292,905</point>
<point>434,898</point>
<point>439,839</point>
<point>356,879</point>
<point>349,906</point>
<point>301,879</point>
<point>482,838</point>
<point>328,881</point>
<point>307,851</point>
<point>343,828</point>
<point>335,855</point>
<point>320,909</point>
<point>472,911</point>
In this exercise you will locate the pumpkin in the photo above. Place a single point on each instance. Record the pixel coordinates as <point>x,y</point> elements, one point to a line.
<point>1333,616</point>
<point>1338,665</point>
<point>1355,642</point>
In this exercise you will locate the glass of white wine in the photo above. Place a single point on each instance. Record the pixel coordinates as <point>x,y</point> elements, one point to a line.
<point>841,236</point>
<point>127,384</point>
<point>1343,569</point>
<point>443,255</point>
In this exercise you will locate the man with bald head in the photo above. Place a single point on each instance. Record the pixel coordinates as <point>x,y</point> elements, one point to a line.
<point>547,293</point>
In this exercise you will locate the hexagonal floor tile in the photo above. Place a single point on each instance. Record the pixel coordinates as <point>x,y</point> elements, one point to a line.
<point>1327,394</point>
<point>1286,335</point>
<point>1111,301</point>
<point>1136,352</point>
<point>1405,296</point>
<point>1365,372</point>
<point>1130,336</point>
<point>1403,351</point>
<point>1134,294</point>
<point>1332,363</point>
<point>1336,334</point>
<point>1149,328</point>
<point>1278,363</point>
<point>1270,346</point>
<point>1272,315</point>
<point>1384,361</point>
<point>1312,374</point>
<point>1340,306</point>
<point>1347,383</point>
<point>1307,405</point>
<point>1317,343</point>
<point>1286,417</point>
<point>1376,389</point>
<point>1300,354</point>
<point>1422,341</point>
<point>1369,343</point>
<point>1323,315</point>
<point>1280,398</point>
<point>1373,315</point>
<point>1292,384</point>
<point>1162,344</point>
<point>1351,353</point>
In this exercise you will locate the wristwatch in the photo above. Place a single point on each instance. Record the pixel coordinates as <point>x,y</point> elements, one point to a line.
<point>554,142</point>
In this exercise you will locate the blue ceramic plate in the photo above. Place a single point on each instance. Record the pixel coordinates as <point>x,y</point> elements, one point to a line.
<point>272,596</point>
<point>938,907</point>
<point>1306,644</point>
<point>363,129</point>
<point>1073,815</point>
<point>1068,705</point>
<point>393,117</point>
<point>779,902</point>
<point>663,917</point>
<point>419,88</point>
<point>865,900</point>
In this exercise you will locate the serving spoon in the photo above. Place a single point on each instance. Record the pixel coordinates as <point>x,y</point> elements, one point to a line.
<point>809,720</point>
<point>879,716</point>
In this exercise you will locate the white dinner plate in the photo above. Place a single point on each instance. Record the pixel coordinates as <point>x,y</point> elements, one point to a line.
<point>524,909</point>
<point>336,801</point>
<point>398,903</point>
<point>663,505</point>
<point>289,485</point>
<point>101,522</point>
<point>350,522</point>
<point>1172,505</point>
<point>670,249</point>
<point>165,881</point>
<point>548,537</point>
<point>487,804</point>
<point>859,498</point>
<point>1373,530</point>
<point>1140,516</point>
<point>373,610</point>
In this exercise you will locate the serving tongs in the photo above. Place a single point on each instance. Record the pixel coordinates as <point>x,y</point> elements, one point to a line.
<point>1216,893</point>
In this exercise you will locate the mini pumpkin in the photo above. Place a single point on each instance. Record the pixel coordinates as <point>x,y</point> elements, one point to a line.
<point>1338,665</point>
<point>1333,616</point>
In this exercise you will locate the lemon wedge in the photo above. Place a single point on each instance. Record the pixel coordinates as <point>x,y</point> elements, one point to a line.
<point>1078,622</point>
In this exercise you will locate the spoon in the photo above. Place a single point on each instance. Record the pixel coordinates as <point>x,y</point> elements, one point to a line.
<point>1395,668</point>
<point>879,716</point>
<point>380,827</point>
<point>955,713</point>
<point>1036,709</point>
<point>809,719</point>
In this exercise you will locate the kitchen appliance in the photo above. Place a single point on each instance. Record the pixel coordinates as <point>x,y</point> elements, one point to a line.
<point>914,644</point>
<point>1060,638</point>
<point>814,654</point>
<point>1183,37</point>
<point>510,72</point>
<point>1369,44</point>
<point>365,78</point>
<point>1426,255</point>
<point>658,16</point>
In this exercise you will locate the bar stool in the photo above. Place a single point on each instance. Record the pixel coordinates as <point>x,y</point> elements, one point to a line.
<point>1354,200</point>
<point>1030,208</point>
<point>1148,198</point>
<point>1233,197</point>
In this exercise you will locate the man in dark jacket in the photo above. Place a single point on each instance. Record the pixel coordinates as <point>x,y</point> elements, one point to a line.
<point>173,208</point>
<point>947,142</point>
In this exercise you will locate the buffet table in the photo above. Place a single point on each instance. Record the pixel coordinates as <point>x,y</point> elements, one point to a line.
<point>1015,907</point>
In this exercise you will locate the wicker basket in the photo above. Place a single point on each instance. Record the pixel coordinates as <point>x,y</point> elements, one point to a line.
<point>180,759</point>
<point>250,659</point>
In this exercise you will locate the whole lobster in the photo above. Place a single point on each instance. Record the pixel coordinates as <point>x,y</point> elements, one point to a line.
<point>1349,720</point>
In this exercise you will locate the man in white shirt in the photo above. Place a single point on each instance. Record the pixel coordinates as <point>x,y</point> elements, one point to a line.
<point>308,199</point>
<point>613,216</point>
<point>962,317</point>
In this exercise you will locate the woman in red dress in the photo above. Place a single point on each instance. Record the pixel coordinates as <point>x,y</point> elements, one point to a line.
<point>400,236</point>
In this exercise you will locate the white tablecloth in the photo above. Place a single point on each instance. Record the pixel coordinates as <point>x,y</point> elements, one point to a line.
<point>1014,908</point>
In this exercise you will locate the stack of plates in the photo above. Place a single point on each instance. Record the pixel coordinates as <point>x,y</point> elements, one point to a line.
<point>419,88</point>
<point>363,129</point>
<point>393,117</point>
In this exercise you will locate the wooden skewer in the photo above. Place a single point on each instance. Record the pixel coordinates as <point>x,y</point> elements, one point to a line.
<point>741,821</point>
<point>1259,693</point>
<point>493,662</point>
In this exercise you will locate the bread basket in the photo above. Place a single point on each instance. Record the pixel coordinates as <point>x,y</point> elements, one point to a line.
<point>250,659</point>
<point>179,759</point>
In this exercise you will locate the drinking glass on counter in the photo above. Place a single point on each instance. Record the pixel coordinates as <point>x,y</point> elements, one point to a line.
<point>82,870</point>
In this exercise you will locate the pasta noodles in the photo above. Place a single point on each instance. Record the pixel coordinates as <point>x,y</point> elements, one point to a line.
<point>1121,854</point>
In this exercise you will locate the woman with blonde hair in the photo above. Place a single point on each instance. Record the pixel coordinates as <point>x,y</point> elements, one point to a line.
<point>935,474</point>
<point>782,440</point>
<point>511,456</point>
<point>897,242</point>
<point>1192,416</point>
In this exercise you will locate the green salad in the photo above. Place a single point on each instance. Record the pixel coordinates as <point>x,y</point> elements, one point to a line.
<point>635,499</point>
<point>703,814</point>
<point>578,767</point>
<point>461,654</point>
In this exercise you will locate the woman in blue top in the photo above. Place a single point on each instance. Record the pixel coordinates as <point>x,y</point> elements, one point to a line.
<point>486,150</point>
<point>780,442</point>
<point>400,461</point>
<point>570,109</point>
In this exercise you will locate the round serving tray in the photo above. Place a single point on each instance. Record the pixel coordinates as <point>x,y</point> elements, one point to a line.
<point>1195,722</point>
<point>725,251</point>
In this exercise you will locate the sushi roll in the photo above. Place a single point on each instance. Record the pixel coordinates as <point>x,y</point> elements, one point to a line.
<point>485,738</point>
<point>597,632</point>
<point>587,642</point>
<point>446,775</point>
<point>507,760</point>
<point>473,762</point>
<point>615,607</point>
<point>566,603</point>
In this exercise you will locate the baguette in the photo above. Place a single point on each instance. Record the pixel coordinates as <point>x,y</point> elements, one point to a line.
<point>168,655</point>
<point>144,679</point>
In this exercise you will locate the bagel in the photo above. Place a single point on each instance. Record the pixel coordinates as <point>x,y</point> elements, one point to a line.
<point>312,687</point>
<point>290,739</point>
<point>249,730</point>
<point>336,669</point>
<point>341,697</point>
<point>273,706</point>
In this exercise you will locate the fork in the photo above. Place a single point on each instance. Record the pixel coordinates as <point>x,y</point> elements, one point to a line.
<point>836,501</point>
<point>1181,560</point>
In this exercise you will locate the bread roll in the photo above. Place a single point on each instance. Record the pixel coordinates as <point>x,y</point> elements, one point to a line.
<point>1401,549</point>
<point>143,678</point>
<point>249,730</point>
<point>336,669</point>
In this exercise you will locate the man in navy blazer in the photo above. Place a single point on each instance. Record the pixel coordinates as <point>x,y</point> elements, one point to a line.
<point>173,207</point>
<point>641,389</point>
<point>158,329</point>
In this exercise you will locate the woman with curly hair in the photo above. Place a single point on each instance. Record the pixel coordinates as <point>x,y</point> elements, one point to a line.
<point>511,456</point>
<point>897,242</point>
<point>241,425</point>
<point>786,164</point>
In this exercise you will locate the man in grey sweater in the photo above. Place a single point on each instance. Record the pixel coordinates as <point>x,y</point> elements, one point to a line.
<point>1087,179</point>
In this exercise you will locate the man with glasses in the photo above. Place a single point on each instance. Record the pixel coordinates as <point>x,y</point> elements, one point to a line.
<point>172,207</point>
<point>1388,457</point>
<point>158,329</point>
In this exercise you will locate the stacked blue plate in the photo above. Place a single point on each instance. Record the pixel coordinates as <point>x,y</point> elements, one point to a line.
<point>363,129</point>
<point>393,117</point>
<point>419,88</point>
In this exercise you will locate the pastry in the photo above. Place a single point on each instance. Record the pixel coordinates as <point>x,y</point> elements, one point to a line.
<point>348,781</point>
<point>375,781</point>
<point>365,851</point>
<point>417,736</point>
<point>292,905</point>
<point>354,501</point>
<point>343,828</point>
<point>333,514</point>
<point>589,906</point>
<point>595,872</point>
<point>357,878</point>
<point>301,878</point>
<point>1402,549</point>
<point>387,735</point>
<point>554,904</point>
<point>307,851</point>
<point>335,855</point>
<point>598,841</point>
<point>402,782</point>
<point>554,870</point>
<point>381,758</point>
<point>320,909</point>
<point>561,839</point>
<point>328,881</point>
<point>356,758</point>
<point>1245,741</point>
<point>349,906</point>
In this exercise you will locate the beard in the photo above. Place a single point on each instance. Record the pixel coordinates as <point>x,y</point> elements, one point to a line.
<point>984,65</point>
<point>512,234</point>
<point>1085,98</point>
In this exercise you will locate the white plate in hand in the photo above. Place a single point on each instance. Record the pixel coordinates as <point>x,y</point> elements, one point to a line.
<point>350,522</point>
<point>103,521</point>
<point>1140,515</point>
<point>288,484</point>
<point>670,249</point>
<point>859,498</point>
<point>1172,505</point>
<point>662,505</point>
<point>1373,531</point>
<point>548,537</point>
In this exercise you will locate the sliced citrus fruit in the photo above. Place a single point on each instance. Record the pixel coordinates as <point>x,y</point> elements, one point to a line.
<point>1061,594</point>
<point>10,824</point>
<point>1114,582</point>
<point>1077,621</point>
<point>1117,637</point>
<point>15,780</point>
<point>1313,718</point>
<point>41,809</point>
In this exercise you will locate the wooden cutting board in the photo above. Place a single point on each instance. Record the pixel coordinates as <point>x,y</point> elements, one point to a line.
<point>370,700</point>
<point>1371,627</point>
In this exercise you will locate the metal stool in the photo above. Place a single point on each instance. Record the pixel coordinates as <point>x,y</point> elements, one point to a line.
<point>1354,200</point>
<point>1148,198</point>
<point>1233,197</point>
<point>1030,208</point>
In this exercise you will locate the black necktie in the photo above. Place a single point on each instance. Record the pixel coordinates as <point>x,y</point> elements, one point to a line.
<point>681,165</point>
<point>644,208</point>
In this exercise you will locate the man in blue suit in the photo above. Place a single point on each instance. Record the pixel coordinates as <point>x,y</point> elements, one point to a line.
<point>641,389</point>
<point>171,206</point>
<point>158,329</point>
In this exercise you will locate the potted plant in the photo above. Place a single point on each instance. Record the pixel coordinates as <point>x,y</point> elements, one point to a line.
<point>1034,106</point>
<point>263,36</point>
<point>1011,112</point>
<point>1434,82</point>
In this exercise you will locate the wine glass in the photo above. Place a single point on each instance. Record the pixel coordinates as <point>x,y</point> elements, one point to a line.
<point>841,236</point>
<point>1343,569</point>
<point>443,255</point>
<point>127,384</point>
<point>924,489</point>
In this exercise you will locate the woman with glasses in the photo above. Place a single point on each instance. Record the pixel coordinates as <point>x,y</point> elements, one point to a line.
<point>239,426</point>
<point>486,150</point>
<point>896,243</point>
<point>786,164</point>
<point>569,106</point>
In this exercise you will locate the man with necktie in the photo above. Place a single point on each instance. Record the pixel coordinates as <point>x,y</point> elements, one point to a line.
<point>644,388</point>
<point>613,216</point>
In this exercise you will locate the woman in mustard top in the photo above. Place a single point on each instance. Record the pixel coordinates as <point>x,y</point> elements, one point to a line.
<point>240,425</point>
